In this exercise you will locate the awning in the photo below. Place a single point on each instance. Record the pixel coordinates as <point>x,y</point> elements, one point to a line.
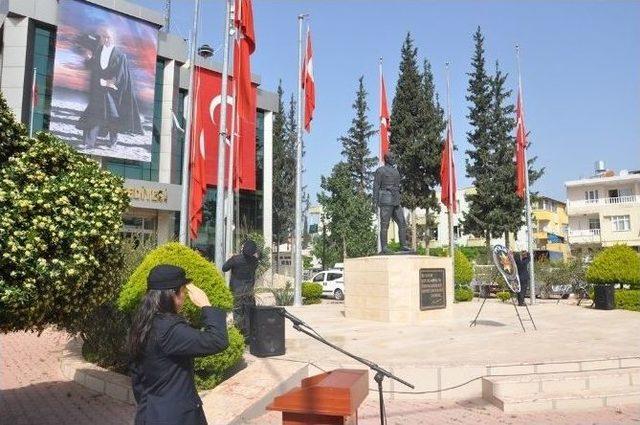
<point>553,238</point>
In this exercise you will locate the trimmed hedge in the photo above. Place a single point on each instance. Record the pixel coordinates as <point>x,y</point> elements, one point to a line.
<point>463,293</point>
<point>618,264</point>
<point>210,370</point>
<point>628,299</point>
<point>503,296</point>
<point>463,270</point>
<point>311,292</point>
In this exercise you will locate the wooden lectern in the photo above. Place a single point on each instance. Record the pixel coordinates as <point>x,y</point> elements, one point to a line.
<point>328,398</point>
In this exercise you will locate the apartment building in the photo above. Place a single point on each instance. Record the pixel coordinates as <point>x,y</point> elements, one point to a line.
<point>604,210</point>
<point>550,226</point>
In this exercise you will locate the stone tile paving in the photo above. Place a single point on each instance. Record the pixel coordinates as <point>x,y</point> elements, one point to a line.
<point>33,390</point>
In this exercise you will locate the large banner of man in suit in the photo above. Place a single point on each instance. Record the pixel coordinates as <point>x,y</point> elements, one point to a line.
<point>103,81</point>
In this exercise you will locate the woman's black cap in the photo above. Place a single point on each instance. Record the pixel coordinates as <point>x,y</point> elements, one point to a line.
<point>249,248</point>
<point>166,276</point>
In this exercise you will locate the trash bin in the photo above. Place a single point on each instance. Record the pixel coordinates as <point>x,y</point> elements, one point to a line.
<point>604,297</point>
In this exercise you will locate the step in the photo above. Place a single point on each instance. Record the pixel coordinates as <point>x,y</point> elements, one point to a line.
<point>245,395</point>
<point>559,382</point>
<point>585,399</point>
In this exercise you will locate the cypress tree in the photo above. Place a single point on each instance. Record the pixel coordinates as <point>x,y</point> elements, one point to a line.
<point>355,149</point>
<point>480,159</point>
<point>283,174</point>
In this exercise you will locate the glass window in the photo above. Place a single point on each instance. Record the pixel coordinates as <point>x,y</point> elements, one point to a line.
<point>333,276</point>
<point>591,195</point>
<point>319,277</point>
<point>44,39</point>
<point>177,147</point>
<point>259,149</point>
<point>621,223</point>
<point>594,223</point>
<point>138,170</point>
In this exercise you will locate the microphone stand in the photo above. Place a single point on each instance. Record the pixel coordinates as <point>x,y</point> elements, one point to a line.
<point>380,373</point>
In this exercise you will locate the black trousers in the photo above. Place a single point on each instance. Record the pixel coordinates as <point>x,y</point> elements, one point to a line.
<point>242,303</point>
<point>523,290</point>
<point>388,212</point>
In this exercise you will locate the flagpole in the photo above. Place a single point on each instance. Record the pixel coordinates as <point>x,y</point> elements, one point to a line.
<point>297,298</point>
<point>381,158</point>
<point>33,103</point>
<point>222,142</point>
<point>450,153</point>
<point>532,291</point>
<point>232,147</point>
<point>186,150</point>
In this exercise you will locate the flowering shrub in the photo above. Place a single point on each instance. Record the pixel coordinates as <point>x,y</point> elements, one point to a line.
<point>60,224</point>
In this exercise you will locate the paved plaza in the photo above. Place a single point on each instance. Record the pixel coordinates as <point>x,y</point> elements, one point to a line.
<point>34,390</point>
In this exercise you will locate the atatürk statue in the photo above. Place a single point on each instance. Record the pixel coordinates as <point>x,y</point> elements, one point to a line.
<point>386,196</point>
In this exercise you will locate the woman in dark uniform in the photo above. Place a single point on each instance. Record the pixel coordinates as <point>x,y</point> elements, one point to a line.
<point>243,278</point>
<point>163,345</point>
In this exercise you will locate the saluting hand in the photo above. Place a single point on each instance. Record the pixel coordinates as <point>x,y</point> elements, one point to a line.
<point>197,296</point>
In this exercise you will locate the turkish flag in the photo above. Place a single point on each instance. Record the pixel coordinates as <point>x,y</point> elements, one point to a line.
<point>308,84</point>
<point>197,166</point>
<point>384,120</point>
<point>448,173</point>
<point>521,145</point>
<point>207,123</point>
<point>245,95</point>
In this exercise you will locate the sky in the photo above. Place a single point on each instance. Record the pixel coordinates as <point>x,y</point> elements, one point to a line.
<point>580,65</point>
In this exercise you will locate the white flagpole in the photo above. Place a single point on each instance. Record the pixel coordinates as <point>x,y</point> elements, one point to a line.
<point>33,104</point>
<point>450,148</point>
<point>297,290</point>
<point>532,290</point>
<point>186,151</point>
<point>232,147</point>
<point>222,143</point>
<point>381,159</point>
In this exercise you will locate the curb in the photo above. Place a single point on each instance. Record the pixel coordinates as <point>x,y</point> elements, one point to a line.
<point>96,378</point>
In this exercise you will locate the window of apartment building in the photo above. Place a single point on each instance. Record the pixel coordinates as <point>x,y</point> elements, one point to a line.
<point>177,145</point>
<point>594,224</point>
<point>591,195</point>
<point>139,170</point>
<point>43,48</point>
<point>620,223</point>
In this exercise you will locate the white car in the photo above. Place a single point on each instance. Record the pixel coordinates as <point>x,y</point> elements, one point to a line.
<point>332,282</point>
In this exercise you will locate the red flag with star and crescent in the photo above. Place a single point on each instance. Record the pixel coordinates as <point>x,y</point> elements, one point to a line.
<point>384,120</point>
<point>521,145</point>
<point>308,84</point>
<point>448,173</point>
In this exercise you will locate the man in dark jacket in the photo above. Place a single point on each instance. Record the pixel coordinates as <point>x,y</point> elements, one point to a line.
<point>243,278</point>
<point>386,196</point>
<point>113,106</point>
<point>522,262</point>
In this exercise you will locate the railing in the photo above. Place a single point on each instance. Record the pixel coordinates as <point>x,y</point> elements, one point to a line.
<point>585,232</point>
<point>627,199</point>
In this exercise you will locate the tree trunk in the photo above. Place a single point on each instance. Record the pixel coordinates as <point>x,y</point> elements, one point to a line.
<point>506,239</point>
<point>278,254</point>
<point>487,244</point>
<point>414,231</point>
<point>344,248</point>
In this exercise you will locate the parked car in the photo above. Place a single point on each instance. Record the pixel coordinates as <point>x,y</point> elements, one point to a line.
<point>332,282</point>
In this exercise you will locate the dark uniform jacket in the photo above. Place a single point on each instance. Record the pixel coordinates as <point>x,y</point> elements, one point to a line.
<point>243,273</point>
<point>386,186</point>
<point>163,381</point>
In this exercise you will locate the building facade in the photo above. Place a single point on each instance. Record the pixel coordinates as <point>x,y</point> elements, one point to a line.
<point>28,30</point>
<point>550,226</point>
<point>604,210</point>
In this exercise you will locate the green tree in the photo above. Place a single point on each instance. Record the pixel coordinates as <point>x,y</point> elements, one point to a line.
<point>348,213</point>
<point>355,147</point>
<point>417,123</point>
<point>284,173</point>
<point>480,164</point>
<point>325,248</point>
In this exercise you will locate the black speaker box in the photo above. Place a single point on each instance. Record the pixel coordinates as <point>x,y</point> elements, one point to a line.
<point>604,297</point>
<point>267,331</point>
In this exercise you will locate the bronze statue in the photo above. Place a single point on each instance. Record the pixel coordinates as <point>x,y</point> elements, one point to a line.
<point>386,196</point>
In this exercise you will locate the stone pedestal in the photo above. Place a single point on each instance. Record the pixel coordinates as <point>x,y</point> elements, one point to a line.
<point>398,288</point>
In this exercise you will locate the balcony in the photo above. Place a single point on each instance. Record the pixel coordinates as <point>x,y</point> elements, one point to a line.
<point>585,236</point>
<point>592,205</point>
